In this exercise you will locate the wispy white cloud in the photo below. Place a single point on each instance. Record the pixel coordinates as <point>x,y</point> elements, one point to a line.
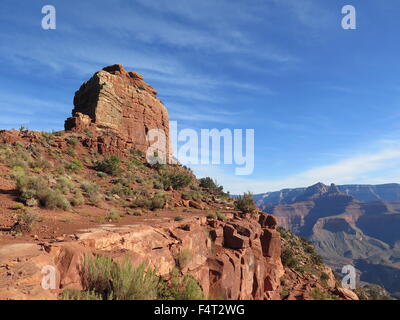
<point>355,169</point>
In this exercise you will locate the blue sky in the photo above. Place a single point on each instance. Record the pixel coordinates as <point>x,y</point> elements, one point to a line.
<point>324,102</point>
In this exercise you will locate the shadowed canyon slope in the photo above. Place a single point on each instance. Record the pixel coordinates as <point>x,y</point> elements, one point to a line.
<point>349,224</point>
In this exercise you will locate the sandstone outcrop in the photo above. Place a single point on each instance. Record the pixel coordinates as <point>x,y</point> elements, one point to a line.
<point>119,108</point>
<point>249,269</point>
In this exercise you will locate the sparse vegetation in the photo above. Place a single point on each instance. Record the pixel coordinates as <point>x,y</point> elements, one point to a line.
<point>288,258</point>
<point>175,180</point>
<point>105,280</point>
<point>74,166</point>
<point>245,203</point>
<point>36,188</point>
<point>110,165</point>
<point>25,221</point>
<point>183,258</point>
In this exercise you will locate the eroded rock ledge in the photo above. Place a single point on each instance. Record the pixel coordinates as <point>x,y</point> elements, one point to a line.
<point>236,259</point>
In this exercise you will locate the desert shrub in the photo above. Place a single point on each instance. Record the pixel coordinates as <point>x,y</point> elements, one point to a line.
<point>18,206</point>
<point>158,201</point>
<point>74,294</point>
<point>220,216</point>
<point>25,221</point>
<point>70,152</point>
<point>175,180</point>
<point>245,203</point>
<point>155,202</point>
<point>130,283</point>
<point>191,195</point>
<point>64,185</point>
<point>78,199</point>
<point>74,166</point>
<point>72,141</point>
<point>212,215</point>
<point>110,165</point>
<point>53,199</point>
<point>183,258</point>
<point>136,153</point>
<point>30,187</point>
<point>135,213</point>
<point>324,276</point>
<point>112,215</point>
<point>101,174</point>
<point>92,192</point>
<point>317,259</point>
<point>105,280</point>
<point>97,273</point>
<point>122,190</point>
<point>318,294</point>
<point>158,185</point>
<point>180,288</point>
<point>178,218</point>
<point>211,186</point>
<point>114,281</point>
<point>17,172</point>
<point>288,258</point>
<point>39,164</point>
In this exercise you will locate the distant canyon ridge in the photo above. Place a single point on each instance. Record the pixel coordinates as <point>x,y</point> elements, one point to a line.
<point>348,224</point>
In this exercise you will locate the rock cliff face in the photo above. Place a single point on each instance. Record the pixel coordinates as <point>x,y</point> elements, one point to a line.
<point>119,105</point>
<point>237,259</point>
<point>347,224</point>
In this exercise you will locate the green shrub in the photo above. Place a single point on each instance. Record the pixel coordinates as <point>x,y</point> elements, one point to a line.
<point>220,216</point>
<point>70,152</point>
<point>245,203</point>
<point>92,192</point>
<point>175,180</point>
<point>64,185</point>
<point>180,288</point>
<point>288,258</point>
<point>74,294</point>
<point>122,190</point>
<point>78,199</point>
<point>211,186</point>
<point>110,165</point>
<point>191,195</point>
<point>158,202</point>
<point>30,187</point>
<point>74,166</point>
<point>212,215</point>
<point>178,218</point>
<point>183,258</point>
<point>119,281</point>
<point>25,221</point>
<point>53,199</point>
<point>18,206</point>
<point>112,215</point>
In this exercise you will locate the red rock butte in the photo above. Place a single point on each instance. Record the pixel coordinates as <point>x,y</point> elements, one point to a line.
<point>120,105</point>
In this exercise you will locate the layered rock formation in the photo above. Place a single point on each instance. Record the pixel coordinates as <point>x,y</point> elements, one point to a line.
<point>358,230</point>
<point>237,259</point>
<point>120,108</point>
